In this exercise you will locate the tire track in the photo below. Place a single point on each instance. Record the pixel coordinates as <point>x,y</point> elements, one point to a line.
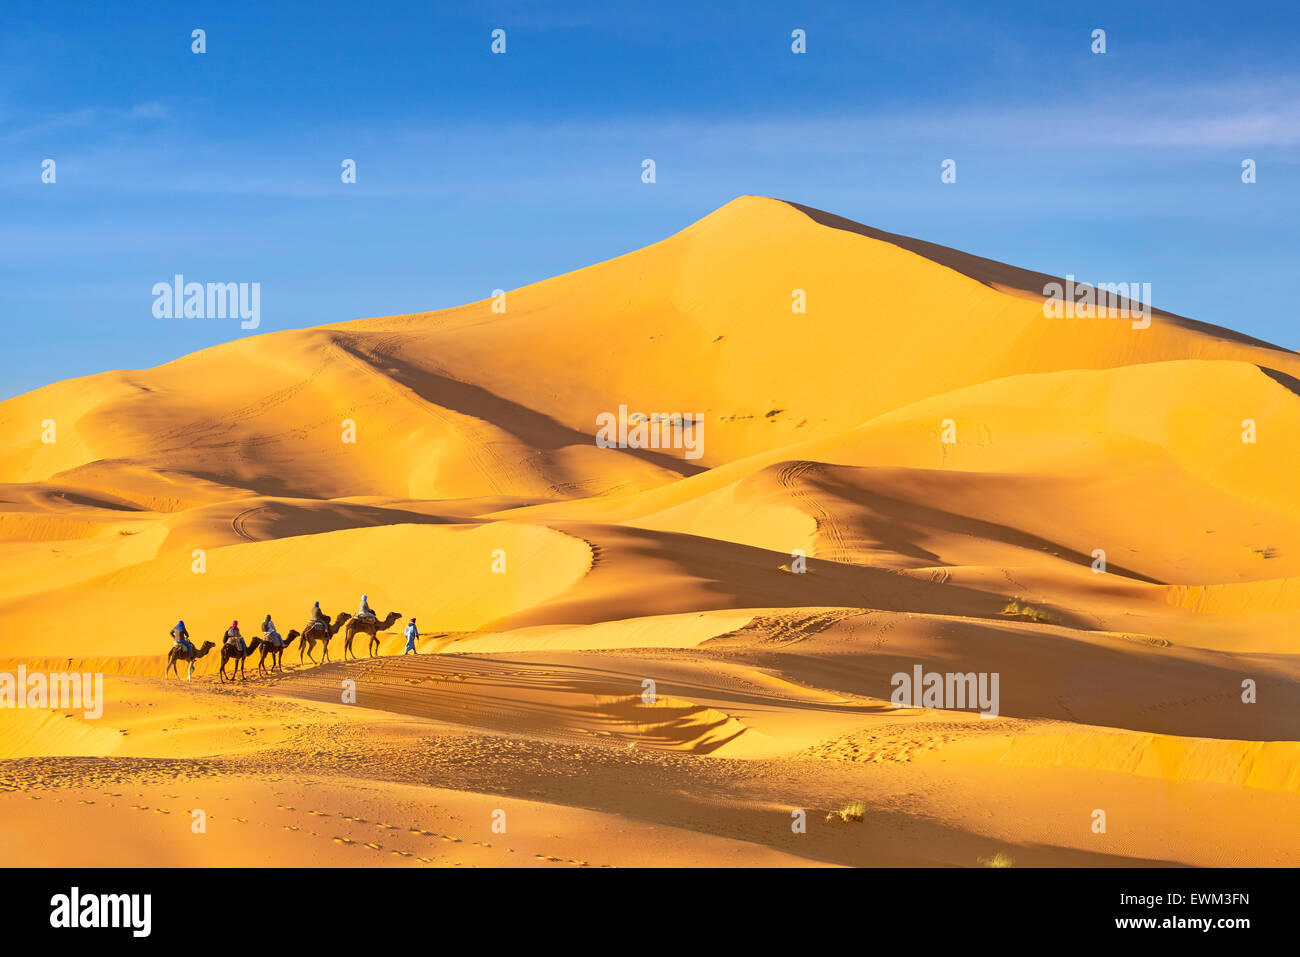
<point>793,478</point>
<point>239,522</point>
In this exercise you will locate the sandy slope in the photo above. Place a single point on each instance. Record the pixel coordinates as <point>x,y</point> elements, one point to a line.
<point>946,459</point>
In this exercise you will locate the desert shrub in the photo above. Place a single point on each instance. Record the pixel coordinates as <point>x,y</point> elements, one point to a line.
<point>854,811</point>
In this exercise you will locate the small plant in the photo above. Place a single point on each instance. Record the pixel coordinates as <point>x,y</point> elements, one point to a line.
<point>854,811</point>
<point>997,860</point>
<point>1016,608</point>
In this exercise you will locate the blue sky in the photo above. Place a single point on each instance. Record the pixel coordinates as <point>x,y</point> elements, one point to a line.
<point>478,171</point>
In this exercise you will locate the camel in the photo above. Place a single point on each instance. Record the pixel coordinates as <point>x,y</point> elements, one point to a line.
<point>176,655</point>
<point>228,653</point>
<point>372,628</point>
<point>319,631</point>
<point>277,654</point>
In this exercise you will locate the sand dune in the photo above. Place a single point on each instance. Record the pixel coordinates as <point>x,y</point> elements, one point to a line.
<point>645,657</point>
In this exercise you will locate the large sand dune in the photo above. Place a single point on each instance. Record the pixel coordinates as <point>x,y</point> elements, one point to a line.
<point>921,469</point>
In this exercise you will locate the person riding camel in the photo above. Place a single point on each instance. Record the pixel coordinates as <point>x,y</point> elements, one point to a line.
<point>318,615</point>
<point>181,638</point>
<point>272,636</point>
<point>364,611</point>
<point>232,636</point>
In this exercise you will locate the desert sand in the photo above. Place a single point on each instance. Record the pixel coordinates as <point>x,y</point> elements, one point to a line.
<point>920,469</point>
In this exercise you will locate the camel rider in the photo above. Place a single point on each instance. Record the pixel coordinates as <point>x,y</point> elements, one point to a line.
<point>272,636</point>
<point>233,637</point>
<point>317,615</point>
<point>364,611</point>
<point>411,634</point>
<point>181,637</point>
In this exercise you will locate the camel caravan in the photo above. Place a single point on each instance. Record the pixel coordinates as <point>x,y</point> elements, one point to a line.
<point>235,650</point>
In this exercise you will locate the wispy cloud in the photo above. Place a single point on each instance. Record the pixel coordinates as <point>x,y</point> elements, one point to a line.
<point>87,123</point>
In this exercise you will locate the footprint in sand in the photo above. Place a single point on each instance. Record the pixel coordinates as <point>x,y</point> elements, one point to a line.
<point>291,827</point>
<point>373,846</point>
<point>344,840</point>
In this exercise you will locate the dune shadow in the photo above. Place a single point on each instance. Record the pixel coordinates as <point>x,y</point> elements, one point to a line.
<point>530,427</point>
<point>993,273</point>
<point>746,576</point>
<point>1044,674</point>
